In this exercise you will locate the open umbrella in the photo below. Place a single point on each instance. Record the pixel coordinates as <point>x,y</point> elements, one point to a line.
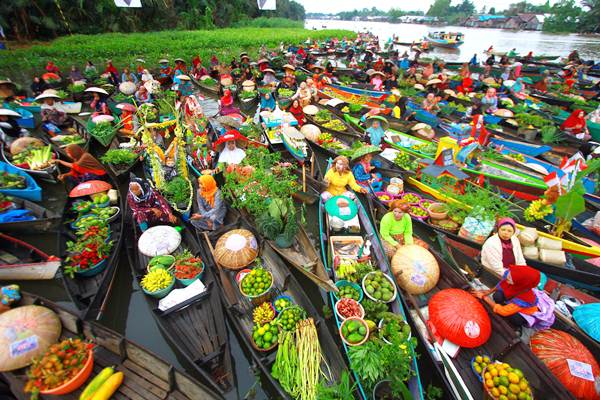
<point>459,317</point>
<point>240,140</point>
<point>159,241</point>
<point>26,332</point>
<point>384,122</point>
<point>90,187</point>
<point>364,150</point>
<point>587,316</point>
<point>569,360</point>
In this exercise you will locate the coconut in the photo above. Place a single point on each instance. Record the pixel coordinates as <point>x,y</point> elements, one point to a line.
<point>415,268</point>
<point>236,249</point>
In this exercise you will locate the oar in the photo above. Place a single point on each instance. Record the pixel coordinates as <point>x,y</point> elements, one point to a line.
<point>227,286</point>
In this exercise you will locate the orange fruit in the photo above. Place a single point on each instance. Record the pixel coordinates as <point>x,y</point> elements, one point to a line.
<point>487,375</point>
<point>495,392</point>
<point>513,378</point>
<point>514,388</point>
<point>503,373</point>
<point>494,372</point>
<point>503,389</point>
<point>524,386</point>
<point>489,383</point>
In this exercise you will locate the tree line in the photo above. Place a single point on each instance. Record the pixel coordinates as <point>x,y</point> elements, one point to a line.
<point>46,19</point>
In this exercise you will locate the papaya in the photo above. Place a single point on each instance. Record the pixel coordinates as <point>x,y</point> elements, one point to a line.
<point>95,383</point>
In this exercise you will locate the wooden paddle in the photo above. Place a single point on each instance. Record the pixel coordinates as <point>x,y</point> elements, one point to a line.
<point>227,285</point>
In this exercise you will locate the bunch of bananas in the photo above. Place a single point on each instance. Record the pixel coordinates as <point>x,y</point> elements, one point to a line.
<point>346,268</point>
<point>537,210</point>
<point>157,279</point>
<point>263,314</point>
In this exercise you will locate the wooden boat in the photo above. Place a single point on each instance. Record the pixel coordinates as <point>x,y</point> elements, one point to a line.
<point>46,174</point>
<point>380,262</point>
<point>196,327</point>
<point>32,191</point>
<point>239,309</point>
<point>345,128</point>
<point>22,261</point>
<point>147,376</point>
<point>210,89</point>
<point>45,220</point>
<point>77,127</point>
<point>90,293</point>
<point>448,40</point>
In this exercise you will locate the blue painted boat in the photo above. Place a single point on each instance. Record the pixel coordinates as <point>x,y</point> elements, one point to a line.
<point>26,121</point>
<point>448,40</point>
<point>32,192</point>
<point>360,92</point>
<point>529,149</point>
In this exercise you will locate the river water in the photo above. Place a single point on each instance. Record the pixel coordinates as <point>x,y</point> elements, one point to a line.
<point>476,40</point>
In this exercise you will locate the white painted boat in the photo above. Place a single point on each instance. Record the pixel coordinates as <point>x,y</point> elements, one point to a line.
<point>22,261</point>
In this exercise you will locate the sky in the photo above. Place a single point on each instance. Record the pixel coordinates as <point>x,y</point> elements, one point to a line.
<point>335,6</point>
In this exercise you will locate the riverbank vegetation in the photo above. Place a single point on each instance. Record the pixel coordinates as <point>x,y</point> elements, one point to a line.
<point>43,20</point>
<point>20,64</point>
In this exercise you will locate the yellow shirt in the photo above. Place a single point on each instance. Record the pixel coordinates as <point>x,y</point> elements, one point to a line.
<point>338,182</point>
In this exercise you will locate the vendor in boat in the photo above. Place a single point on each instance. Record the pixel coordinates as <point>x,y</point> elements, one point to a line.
<point>269,78</point>
<point>288,82</point>
<point>428,71</point>
<point>575,125</point>
<point>364,168</point>
<point>569,76</point>
<point>142,95</point>
<point>312,87</point>
<point>128,76</point>
<point>489,102</point>
<point>542,85</point>
<point>401,110</point>
<point>391,83</point>
<point>267,102</point>
<point>303,94</point>
<point>376,127</point>
<point>10,129</point>
<point>52,68</point>
<point>180,68</point>
<point>478,125</point>
<point>198,71</point>
<point>90,68</point>
<point>99,103</point>
<point>376,80</point>
<point>149,208</point>
<point>338,178</point>
<point>297,111</point>
<point>396,228</point>
<point>229,146</point>
<point>165,72</point>
<point>75,75</point>
<point>474,62</point>
<point>518,89</point>
<point>112,73</point>
<point>184,87</point>
<point>84,166</point>
<point>430,104</point>
<point>517,298</point>
<point>38,86</point>
<point>211,207</point>
<point>465,71</point>
<point>226,104</point>
<point>51,111</point>
<point>503,248</point>
<point>139,69</point>
<point>214,61</point>
<point>146,76</point>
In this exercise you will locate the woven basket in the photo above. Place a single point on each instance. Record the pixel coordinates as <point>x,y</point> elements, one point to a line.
<point>236,249</point>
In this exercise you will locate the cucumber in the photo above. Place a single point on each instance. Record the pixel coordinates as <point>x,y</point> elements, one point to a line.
<point>95,384</point>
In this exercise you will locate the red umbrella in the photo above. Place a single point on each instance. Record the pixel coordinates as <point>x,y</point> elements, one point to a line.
<point>90,187</point>
<point>569,360</point>
<point>228,137</point>
<point>459,317</point>
<point>126,107</point>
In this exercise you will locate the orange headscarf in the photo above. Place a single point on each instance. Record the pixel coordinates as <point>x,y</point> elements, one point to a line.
<point>209,188</point>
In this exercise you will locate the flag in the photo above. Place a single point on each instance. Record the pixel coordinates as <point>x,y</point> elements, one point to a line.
<point>128,3</point>
<point>552,179</point>
<point>267,4</point>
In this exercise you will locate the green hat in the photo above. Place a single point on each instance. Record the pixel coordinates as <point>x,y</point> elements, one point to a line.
<point>384,122</point>
<point>343,213</point>
<point>364,150</point>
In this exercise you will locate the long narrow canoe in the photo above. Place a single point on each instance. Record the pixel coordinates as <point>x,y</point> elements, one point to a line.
<point>146,375</point>
<point>22,261</point>
<point>45,220</point>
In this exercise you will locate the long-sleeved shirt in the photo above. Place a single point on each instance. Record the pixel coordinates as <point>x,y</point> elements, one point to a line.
<point>390,226</point>
<point>338,182</point>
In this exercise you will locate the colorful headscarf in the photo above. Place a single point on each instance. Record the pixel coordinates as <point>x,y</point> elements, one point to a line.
<point>209,188</point>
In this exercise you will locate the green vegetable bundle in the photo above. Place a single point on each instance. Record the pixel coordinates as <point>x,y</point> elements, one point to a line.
<point>119,157</point>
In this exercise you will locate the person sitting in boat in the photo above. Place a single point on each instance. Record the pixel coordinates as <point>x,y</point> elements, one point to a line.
<point>165,72</point>
<point>516,70</point>
<point>267,102</point>
<point>375,131</point>
<point>518,89</point>
<point>214,61</point>
<point>112,73</point>
<point>99,104</point>
<point>427,71</point>
<point>142,95</point>
<point>391,83</point>
<point>90,68</point>
<point>229,148</point>
<point>288,82</point>
<point>465,72</point>
<point>478,126</point>
<point>226,104</point>
<point>569,77</point>
<point>9,127</point>
<point>149,208</point>
<point>198,71</point>
<point>401,110</point>
<point>378,66</point>
<point>146,76</point>
<point>396,228</point>
<point>377,80</point>
<point>53,115</point>
<point>38,86</point>
<point>84,166</point>
<point>364,167</point>
<point>503,248</point>
<point>211,207</point>
<point>517,298</point>
<point>542,85</point>
<point>128,76</point>
<point>338,178</point>
<point>576,125</point>
<point>269,78</point>
<point>303,95</point>
<point>312,87</point>
<point>573,56</point>
<point>512,53</point>
<point>430,103</point>
<point>180,68</point>
<point>297,111</point>
<point>75,75</point>
<point>474,62</point>
<point>489,102</point>
<point>184,85</point>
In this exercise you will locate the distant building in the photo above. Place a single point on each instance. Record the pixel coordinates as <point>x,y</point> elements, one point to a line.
<point>528,22</point>
<point>486,21</point>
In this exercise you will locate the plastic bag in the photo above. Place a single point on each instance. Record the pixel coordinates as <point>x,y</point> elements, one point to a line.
<point>528,236</point>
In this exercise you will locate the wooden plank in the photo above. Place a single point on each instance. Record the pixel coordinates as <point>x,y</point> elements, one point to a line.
<point>190,388</point>
<point>132,394</point>
<point>141,385</point>
<point>177,395</point>
<point>149,376</point>
<point>143,358</point>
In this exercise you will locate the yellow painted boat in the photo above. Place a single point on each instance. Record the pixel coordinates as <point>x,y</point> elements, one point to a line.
<point>567,245</point>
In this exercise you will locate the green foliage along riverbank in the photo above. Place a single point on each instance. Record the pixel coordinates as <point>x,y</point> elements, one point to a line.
<point>123,49</point>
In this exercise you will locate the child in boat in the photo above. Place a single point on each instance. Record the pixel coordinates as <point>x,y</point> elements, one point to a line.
<point>503,248</point>
<point>211,208</point>
<point>517,298</point>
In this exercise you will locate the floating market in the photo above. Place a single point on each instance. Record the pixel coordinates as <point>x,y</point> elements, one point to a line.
<point>354,221</point>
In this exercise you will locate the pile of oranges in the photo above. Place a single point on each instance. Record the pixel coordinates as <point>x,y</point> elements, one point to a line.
<point>506,383</point>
